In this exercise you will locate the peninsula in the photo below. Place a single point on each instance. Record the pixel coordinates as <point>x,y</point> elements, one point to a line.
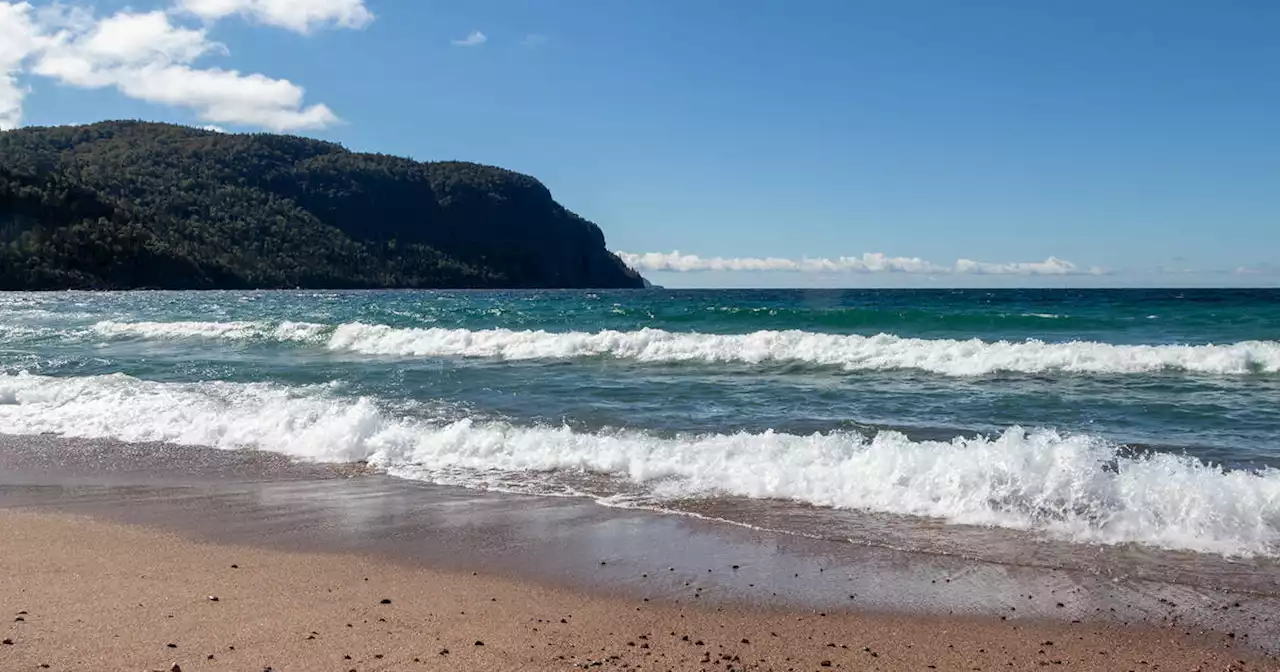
<point>127,205</point>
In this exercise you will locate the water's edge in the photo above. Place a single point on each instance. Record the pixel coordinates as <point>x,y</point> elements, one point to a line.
<point>248,497</point>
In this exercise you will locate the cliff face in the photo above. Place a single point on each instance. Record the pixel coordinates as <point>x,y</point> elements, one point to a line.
<point>129,204</point>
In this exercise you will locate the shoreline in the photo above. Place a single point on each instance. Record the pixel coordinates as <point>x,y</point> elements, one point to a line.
<point>69,500</point>
<point>89,594</point>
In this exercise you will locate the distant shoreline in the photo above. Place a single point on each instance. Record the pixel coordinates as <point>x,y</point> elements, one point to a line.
<point>127,204</point>
<point>343,289</point>
<point>904,290</point>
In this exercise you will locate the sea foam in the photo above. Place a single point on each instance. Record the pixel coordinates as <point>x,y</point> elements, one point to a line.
<point>236,331</point>
<point>1073,487</point>
<point>882,352</point>
<point>850,352</point>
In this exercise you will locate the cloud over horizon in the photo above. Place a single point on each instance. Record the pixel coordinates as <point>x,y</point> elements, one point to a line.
<point>871,262</point>
<point>147,56</point>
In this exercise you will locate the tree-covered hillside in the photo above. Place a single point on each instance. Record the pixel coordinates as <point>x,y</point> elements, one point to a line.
<point>122,205</point>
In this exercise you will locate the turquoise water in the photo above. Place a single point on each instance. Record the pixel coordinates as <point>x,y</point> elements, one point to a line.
<point>1143,417</point>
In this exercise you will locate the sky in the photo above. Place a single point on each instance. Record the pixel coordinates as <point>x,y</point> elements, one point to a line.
<point>750,143</point>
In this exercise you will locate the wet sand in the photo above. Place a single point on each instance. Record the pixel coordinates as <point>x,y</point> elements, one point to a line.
<point>92,595</point>
<point>114,555</point>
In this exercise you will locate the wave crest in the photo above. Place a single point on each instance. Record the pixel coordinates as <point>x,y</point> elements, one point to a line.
<point>850,352</point>
<point>234,331</point>
<point>1079,488</point>
<point>883,352</point>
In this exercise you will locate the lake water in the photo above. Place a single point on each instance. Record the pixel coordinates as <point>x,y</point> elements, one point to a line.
<point>1059,426</point>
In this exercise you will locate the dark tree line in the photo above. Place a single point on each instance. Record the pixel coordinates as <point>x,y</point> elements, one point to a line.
<point>122,205</point>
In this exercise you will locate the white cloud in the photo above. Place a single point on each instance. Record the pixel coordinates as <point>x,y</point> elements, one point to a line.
<point>227,97</point>
<point>56,16</point>
<point>1050,266</point>
<point>145,56</point>
<point>1258,269</point>
<point>19,38</point>
<point>474,39</point>
<point>867,263</point>
<point>118,44</point>
<point>214,128</point>
<point>872,262</point>
<point>11,95</point>
<point>301,16</point>
<point>533,40</point>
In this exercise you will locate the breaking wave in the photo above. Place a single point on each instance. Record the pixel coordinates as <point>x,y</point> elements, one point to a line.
<point>236,331</point>
<point>850,352</point>
<point>1073,487</point>
<point>883,352</point>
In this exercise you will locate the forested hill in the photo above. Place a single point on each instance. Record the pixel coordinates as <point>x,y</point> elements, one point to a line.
<point>119,205</point>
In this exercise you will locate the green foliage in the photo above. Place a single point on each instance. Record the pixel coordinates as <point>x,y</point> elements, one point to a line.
<point>119,205</point>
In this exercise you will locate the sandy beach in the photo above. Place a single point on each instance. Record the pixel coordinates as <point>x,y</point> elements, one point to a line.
<point>137,557</point>
<point>83,594</point>
<point>113,557</point>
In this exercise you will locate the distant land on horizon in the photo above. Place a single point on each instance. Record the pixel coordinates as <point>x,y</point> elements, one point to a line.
<point>131,205</point>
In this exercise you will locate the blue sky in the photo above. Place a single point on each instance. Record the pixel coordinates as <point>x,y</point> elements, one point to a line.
<point>1133,142</point>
